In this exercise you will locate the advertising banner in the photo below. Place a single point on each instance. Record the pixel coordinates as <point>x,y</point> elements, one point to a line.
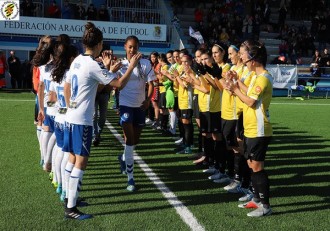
<point>75,28</point>
<point>284,76</point>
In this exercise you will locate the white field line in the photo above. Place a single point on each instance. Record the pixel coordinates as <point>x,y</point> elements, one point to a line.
<point>18,100</point>
<point>298,104</point>
<point>180,208</point>
<point>302,104</point>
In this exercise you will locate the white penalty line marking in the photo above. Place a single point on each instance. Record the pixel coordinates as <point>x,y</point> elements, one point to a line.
<point>18,100</point>
<point>303,104</point>
<point>180,208</point>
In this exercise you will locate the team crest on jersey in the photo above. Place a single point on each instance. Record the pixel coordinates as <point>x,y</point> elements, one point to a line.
<point>258,89</point>
<point>126,115</point>
<point>9,10</point>
<point>105,73</point>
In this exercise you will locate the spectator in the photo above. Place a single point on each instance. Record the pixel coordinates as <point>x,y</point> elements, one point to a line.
<point>247,27</point>
<point>3,68</point>
<point>256,26</point>
<point>27,8</point>
<point>284,48</point>
<point>266,14</point>
<point>67,12</point>
<point>316,58</point>
<point>282,13</point>
<point>103,13</point>
<point>26,75</point>
<point>54,11</point>
<point>38,11</point>
<point>80,11</point>
<point>14,65</point>
<point>198,16</point>
<point>224,37</point>
<point>325,60</point>
<point>315,68</point>
<point>91,12</point>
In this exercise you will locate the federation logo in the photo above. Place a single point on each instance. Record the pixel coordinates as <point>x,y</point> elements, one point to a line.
<point>157,31</point>
<point>105,73</point>
<point>9,10</point>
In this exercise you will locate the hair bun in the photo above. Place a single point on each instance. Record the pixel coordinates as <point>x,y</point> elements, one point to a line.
<point>89,26</point>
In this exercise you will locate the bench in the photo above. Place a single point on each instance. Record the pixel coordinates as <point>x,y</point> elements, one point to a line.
<point>322,86</point>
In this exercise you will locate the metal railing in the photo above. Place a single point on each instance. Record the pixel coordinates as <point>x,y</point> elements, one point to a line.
<point>133,4</point>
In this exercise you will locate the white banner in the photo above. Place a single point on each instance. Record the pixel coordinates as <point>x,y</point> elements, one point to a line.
<point>75,28</point>
<point>284,76</point>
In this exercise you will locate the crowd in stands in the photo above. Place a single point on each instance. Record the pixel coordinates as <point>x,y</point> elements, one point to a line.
<point>227,21</point>
<point>19,72</point>
<point>233,21</point>
<point>118,11</point>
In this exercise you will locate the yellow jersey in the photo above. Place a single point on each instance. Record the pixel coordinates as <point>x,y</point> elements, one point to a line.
<point>246,79</point>
<point>164,78</point>
<point>210,101</point>
<point>229,101</point>
<point>256,120</point>
<point>185,96</point>
<point>224,67</point>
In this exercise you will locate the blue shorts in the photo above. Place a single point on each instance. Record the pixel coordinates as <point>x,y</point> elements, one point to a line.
<point>59,133</point>
<point>77,139</point>
<point>134,115</point>
<point>49,121</point>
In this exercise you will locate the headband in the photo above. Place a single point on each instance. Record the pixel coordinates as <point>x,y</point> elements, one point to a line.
<point>234,47</point>
<point>217,45</point>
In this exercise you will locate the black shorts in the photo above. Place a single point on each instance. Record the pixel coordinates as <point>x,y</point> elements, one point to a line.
<point>176,104</point>
<point>256,148</point>
<point>186,114</point>
<point>162,100</point>
<point>210,122</point>
<point>196,107</point>
<point>239,127</point>
<point>228,128</point>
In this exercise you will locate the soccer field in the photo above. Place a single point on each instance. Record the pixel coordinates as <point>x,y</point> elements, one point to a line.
<point>173,194</point>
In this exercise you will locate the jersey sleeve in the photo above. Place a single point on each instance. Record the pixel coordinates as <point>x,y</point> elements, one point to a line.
<point>150,73</point>
<point>259,87</point>
<point>103,76</point>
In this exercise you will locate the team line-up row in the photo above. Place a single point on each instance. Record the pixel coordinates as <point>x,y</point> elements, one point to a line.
<point>228,101</point>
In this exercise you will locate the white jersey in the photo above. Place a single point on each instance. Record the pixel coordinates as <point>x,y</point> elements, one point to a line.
<point>133,94</point>
<point>58,88</point>
<point>85,75</point>
<point>45,77</point>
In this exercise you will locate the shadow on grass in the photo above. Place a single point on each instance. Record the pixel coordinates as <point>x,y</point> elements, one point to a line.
<point>298,166</point>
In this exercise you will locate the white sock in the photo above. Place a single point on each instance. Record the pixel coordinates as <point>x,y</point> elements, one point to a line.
<point>129,160</point>
<point>38,132</point>
<point>63,164</point>
<point>58,162</point>
<point>173,121</point>
<point>50,146</point>
<point>40,147</point>
<point>75,177</point>
<point>68,169</point>
<point>44,142</point>
<point>54,153</point>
